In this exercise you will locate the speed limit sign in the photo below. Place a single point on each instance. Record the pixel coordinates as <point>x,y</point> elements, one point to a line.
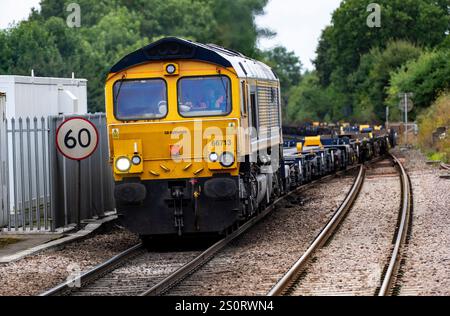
<point>77,138</point>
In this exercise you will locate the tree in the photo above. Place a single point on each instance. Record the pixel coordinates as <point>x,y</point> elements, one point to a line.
<point>236,27</point>
<point>5,53</point>
<point>31,46</point>
<point>309,101</point>
<point>116,35</point>
<point>91,11</point>
<point>111,29</point>
<point>371,80</point>
<point>227,23</point>
<point>434,117</point>
<point>422,22</point>
<point>287,67</point>
<point>352,58</point>
<point>426,77</point>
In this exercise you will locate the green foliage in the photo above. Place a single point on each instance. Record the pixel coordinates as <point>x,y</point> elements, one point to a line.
<point>227,23</point>
<point>422,22</point>
<point>437,115</point>
<point>236,27</point>
<point>426,77</point>
<point>356,60</point>
<point>373,75</point>
<point>32,44</point>
<point>111,29</point>
<point>287,67</point>
<point>310,102</point>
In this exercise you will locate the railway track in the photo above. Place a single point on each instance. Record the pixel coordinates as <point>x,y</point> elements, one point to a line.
<point>87,277</point>
<point>174,284</point>
<point>179,276</point>
<point>292,279</point>
<point>130,273</point>
<point>110,277</point>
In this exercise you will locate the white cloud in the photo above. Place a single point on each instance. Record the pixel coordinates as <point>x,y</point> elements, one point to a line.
<point>299,24</point>
<point>15,11</point>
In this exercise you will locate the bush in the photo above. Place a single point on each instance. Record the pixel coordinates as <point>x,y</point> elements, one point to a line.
<point>427,78</point>
<point>438,115</point>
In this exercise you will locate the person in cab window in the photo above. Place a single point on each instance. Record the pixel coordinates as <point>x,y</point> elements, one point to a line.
<point>221,104</point>
<point>207,100</point>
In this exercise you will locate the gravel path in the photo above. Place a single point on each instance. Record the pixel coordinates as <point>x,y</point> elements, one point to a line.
<point>34,275</point>
<point>353,260</point>
<point>256,261</point>
<point>427,265</point>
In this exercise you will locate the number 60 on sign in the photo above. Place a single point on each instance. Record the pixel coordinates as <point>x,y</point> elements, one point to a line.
<point>77,138</point>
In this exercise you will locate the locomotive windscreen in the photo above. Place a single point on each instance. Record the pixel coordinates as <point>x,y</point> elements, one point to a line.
<point>140,99</point>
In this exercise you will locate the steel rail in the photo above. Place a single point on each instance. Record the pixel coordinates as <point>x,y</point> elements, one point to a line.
<point>292,275</point>
<point>95,273</point>
<point>112,263</point>
<point>400,238</point>
<point>178,276</point>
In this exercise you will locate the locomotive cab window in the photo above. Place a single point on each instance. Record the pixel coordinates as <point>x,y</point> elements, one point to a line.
<point>204,96</point>
<point>140,99</point>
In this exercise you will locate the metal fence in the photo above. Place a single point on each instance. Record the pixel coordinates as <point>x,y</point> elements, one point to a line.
<point>38,185</point>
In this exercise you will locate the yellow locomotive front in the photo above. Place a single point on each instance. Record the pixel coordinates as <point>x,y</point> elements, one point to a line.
<point>174,112</point>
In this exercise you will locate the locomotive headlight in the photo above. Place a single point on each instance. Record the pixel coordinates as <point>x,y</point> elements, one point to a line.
<point>136,160</point>
<point>123,164</point>
<point>227,159</point>
<point>213,157</point>
<point>171,69</point>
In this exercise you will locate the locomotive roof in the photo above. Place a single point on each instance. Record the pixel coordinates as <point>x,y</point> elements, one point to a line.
<point>173,48</point>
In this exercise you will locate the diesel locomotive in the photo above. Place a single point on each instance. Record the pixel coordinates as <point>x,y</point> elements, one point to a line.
<point>196,144</point>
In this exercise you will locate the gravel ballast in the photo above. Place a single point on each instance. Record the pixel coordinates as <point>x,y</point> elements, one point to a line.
<point>33,275</point>
<point>426,271</point>
<point>352,262</point>
<point>257,260</point>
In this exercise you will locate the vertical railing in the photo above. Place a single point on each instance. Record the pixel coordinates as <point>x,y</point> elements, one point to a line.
<point>26,175</point>
<point>3,195</point>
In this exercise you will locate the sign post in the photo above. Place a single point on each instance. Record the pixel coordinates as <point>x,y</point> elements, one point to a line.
<point>387,118</point>
<point>406,105</point>
<point>77,139</point>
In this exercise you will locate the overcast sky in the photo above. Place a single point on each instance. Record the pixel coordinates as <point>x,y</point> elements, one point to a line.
<point>298,23</point>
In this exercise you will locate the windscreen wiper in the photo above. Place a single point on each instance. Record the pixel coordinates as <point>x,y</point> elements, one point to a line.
<point>116,97</point>
<point>225,87</point>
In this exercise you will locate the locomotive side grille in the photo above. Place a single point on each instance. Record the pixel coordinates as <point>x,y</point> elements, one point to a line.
<point>268,107</point>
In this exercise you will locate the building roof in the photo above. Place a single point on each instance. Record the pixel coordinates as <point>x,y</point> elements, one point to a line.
<point>173,48</point>
<point>11,79</point>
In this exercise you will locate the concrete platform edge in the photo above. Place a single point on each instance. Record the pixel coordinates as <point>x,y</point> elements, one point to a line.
<point>89,229</point>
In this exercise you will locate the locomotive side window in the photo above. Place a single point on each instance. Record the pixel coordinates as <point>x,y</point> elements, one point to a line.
<point>204,96</point>
<point>254,109</point>
<point>140,99</point>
